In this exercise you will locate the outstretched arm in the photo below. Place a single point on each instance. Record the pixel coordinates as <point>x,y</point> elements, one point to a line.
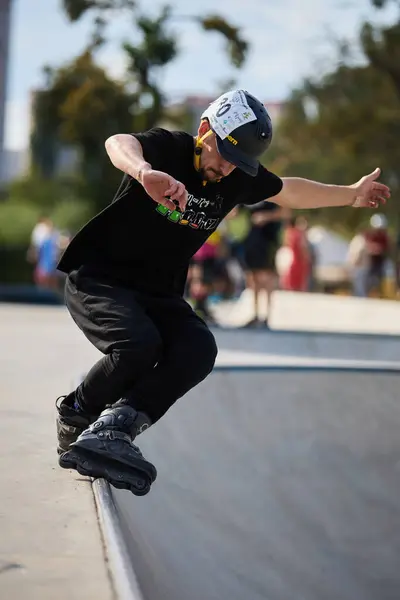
<point>302,193</point>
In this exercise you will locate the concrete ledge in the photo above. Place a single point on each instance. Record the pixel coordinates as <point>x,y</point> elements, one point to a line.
<point>319,312</point>
<point>315,313</point>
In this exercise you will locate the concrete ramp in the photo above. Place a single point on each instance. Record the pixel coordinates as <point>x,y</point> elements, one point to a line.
<point>272,486</point>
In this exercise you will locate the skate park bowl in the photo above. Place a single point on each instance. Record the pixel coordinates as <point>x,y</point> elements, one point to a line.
<point>278,476</point>
<point>277,480</point>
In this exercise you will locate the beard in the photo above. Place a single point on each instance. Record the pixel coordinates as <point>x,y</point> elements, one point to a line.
<point>210,175</point>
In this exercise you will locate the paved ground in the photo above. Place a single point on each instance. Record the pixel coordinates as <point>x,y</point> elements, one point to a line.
<point>273,486</point>
<point>50,544</point>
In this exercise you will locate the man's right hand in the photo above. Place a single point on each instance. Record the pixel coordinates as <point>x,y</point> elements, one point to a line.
<point>163,188</point>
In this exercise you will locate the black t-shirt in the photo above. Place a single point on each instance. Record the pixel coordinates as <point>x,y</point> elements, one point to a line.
<point>140,244</point>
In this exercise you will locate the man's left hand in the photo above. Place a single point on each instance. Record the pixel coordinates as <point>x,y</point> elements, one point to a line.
<point>369,192</point>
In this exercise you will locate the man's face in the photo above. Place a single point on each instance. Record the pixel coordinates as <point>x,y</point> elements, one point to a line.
<point>212,166</point>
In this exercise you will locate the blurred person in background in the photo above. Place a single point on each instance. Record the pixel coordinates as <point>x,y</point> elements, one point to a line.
<point>397,265</point>
<point>47,256</point>
<point>377,248</point>
<point>357,263</point>
<point>260,248</point>
<point>39,233</point>
<point>367,255</point>
<point>296,276</point>
<point>203,273</point>
<point>303,224</point>
<point>126,271</point>
<point>235,229</point>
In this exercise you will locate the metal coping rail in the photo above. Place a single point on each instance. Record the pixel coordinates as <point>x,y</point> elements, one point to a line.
<point>123,576</point>
<point>328,368</point>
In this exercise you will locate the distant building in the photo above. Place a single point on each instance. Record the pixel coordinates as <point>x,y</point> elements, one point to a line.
<point>55,158</point>
<point>46,151</point>
<point>15,164</point>
<point>193,107</point>
<point>5,17</point>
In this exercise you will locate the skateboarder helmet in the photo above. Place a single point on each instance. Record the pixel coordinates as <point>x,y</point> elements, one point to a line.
<point>242,127</point>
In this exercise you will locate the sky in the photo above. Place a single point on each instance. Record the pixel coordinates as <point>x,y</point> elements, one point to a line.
<point>289,40</point>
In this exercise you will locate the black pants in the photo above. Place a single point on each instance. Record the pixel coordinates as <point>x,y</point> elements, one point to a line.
<point>156,348</point>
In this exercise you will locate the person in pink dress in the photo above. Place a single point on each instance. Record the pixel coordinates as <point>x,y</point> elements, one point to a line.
<point>296,276</point>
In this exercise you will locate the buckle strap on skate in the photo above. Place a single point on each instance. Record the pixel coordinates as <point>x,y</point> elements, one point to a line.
<point>111,434</point>
<point>58,402</point>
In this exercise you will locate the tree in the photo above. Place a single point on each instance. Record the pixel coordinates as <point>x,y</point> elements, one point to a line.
<point>75,9</point>
<point>79,109</point>
<point>335,130</point>
<point>158,47</point>
<point>382,47</point>
<point>236,46</point>
<point>156,50</point>
<point>80,105</point>
<point>383,3</point>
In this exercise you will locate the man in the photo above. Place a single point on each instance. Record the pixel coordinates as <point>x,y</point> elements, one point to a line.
<point>40,233</point>
<point>45,274</point>
<point>367,255</point>
<point>377,250</point>
<point>261,246</point>
<point>127,268</point>
<point>297,275</point>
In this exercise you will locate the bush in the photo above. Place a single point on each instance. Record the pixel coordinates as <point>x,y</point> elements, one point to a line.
<point>16,223</point>
<point>71,214</point>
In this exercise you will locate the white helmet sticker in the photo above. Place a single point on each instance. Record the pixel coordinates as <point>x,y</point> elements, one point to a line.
<point>228,112</point>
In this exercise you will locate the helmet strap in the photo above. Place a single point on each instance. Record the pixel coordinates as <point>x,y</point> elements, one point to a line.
<point>198,149</point>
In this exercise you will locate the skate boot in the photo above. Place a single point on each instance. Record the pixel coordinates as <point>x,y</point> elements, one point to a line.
<point>105,450</point>
<point>70,422</point>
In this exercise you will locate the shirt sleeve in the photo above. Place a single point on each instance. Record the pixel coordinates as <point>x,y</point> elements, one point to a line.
<point>262,207</point>
<point>263,186</point>
<point>158,147</point>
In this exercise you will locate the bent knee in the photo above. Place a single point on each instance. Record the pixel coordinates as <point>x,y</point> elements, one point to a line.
<point>143,353</point>
<point>211,351</point>
<point>202,354</point>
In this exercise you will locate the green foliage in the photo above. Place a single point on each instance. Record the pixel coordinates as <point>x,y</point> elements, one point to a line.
<point>156,49</point>
<point>90,105</point>
<point>17,220</point>
<point>383,3</point>
<point>63,200</point>
<point>75,9</point>
<point>236,46</point>
<point>382,47</point>
<point>39,192</point>
<point>81,107</point>
<point>338,128</point>
<point>71,214</point>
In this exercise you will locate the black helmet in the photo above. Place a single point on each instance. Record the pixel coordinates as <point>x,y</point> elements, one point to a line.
<point>242,127</point>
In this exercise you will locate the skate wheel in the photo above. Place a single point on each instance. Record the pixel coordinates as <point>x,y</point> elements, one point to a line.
<point>82,471</point>
<point>141,488</point>
<point>140,485</point>
<point>66,461</point>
